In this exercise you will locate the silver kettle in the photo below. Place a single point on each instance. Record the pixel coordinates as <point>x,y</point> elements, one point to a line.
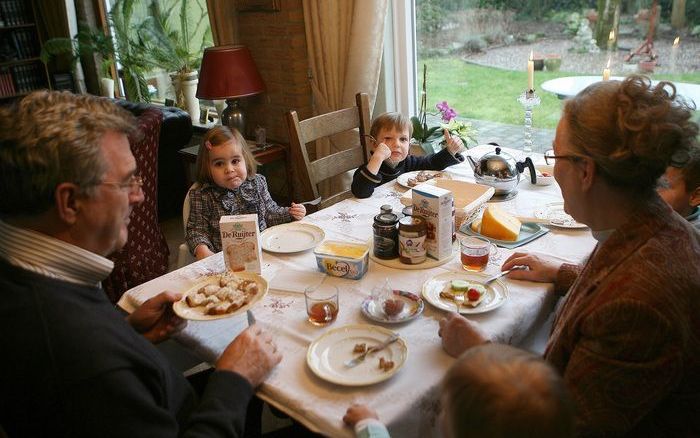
<point>499,170</point>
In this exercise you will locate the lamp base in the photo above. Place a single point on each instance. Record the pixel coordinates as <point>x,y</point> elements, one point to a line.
<point>233,117</point>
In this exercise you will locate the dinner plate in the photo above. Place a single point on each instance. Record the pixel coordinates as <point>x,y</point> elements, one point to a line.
<point>529,231</point>
<point>557,217</point>
<point>184,311</point>
<point>496,292</point>
<point>413,306</point>
<point>327,354</point>
<point>291,237</point>
<point>402,179</point>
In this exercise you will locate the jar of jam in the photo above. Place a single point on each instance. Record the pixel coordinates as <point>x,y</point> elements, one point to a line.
<point>407,211</point>
<point>412,233</point>
<point>386,236</point>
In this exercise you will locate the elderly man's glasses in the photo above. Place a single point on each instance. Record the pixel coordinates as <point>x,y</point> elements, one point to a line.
<point>550,158</point>
<point>133,185</point>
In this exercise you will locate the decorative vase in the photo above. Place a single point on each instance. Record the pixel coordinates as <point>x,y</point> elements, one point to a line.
<point>185,86</point>
<point>107,87</point>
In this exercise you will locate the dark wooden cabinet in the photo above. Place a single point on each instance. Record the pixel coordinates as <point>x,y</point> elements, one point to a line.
<point>21,70</point>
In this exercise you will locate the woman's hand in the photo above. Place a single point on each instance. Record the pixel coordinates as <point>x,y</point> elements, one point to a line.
<point>454,143</point>
<point>155,318</point>
<point>297,211</point>
<point>357,413</point>
<point>540,269</point>
<point>458,335</point>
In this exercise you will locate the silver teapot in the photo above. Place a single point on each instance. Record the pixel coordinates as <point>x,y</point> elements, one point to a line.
<point>499,170</point>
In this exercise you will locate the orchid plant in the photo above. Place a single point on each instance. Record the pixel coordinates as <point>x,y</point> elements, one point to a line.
<point>432,138</point>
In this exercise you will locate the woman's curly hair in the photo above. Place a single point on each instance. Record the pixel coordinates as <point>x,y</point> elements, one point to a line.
<point>631,129</point>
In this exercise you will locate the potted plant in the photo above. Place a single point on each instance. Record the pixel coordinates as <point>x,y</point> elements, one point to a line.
<point>132,55</point>
<point>178,50</point>
<point>86,42</point>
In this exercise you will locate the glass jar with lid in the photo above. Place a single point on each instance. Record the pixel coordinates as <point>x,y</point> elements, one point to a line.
<point>412,233</point>
<point>385,236</point>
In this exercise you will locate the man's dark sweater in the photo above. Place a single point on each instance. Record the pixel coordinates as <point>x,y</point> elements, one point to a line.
<point>364,182</point>
<point>72,366</point>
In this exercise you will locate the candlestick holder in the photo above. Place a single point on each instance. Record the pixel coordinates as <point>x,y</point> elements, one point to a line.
<point>528,99</point>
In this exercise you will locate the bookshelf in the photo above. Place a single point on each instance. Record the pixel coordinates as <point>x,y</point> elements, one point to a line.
<point>21,70</point>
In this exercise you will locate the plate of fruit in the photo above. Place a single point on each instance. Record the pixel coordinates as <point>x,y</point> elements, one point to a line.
<point>399,306</point>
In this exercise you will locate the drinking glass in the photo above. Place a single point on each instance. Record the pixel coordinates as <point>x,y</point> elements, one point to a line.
<point>474,253</point>
<point>321,304</point>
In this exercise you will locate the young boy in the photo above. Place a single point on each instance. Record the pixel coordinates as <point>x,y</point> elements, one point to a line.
<point>681,189</point>
<point>391,134</point>
<point>493,390</point>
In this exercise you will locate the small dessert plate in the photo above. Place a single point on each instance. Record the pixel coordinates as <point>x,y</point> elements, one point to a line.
<point>412,307</point>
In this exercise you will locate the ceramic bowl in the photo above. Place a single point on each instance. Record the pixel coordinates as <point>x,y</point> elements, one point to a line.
<point>545,174</point>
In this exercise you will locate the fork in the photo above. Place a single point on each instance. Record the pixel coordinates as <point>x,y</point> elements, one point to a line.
<point>312,202</point>
<point>359,359</point>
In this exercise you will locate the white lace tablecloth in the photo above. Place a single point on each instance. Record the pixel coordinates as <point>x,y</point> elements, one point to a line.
<point>408,402</point>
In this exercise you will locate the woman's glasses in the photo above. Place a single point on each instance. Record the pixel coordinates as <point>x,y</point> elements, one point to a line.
<point>549,157</point>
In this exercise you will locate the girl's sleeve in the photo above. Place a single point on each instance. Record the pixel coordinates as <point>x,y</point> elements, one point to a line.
<point>274,214</point>
<point>197,230</point>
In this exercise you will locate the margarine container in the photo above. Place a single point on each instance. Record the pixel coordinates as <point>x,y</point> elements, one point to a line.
<point>342,259</point>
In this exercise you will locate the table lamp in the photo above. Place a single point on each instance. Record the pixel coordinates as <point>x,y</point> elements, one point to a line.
<point>229,72</point>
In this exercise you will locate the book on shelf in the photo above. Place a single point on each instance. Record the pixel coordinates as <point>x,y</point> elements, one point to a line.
<point>15,12</point>
<point>7,88</point>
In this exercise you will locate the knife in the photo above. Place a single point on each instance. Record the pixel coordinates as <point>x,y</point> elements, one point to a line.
<point>357,360</point>
<point>251,317</point>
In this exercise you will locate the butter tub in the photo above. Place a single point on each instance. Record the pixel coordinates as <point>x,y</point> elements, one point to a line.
<point>342,259</point>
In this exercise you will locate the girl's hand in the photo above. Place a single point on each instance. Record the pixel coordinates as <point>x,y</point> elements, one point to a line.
<point>202,251</point>
<point>454,143</point>
<point>297,211</point>
<point>541,269</point>
<point>357,413</point>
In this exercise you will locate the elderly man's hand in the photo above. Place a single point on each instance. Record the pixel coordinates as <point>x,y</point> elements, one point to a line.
<point>253,354</point>
<point>458,335</point>
<point>155,318</point>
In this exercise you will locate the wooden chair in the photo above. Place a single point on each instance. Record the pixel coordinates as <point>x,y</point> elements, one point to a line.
<point>326,125</point>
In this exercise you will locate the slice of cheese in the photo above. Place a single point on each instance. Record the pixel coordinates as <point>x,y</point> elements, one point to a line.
<point>500,225</point>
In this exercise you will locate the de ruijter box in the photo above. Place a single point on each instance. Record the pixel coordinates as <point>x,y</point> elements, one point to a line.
<point>435,205</point>
<point>240,242</point>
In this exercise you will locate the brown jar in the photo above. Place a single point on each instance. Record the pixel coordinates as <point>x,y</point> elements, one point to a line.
<point>412,233</point>
<point>385,236</point>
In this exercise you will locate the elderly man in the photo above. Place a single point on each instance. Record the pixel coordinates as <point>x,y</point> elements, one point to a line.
<point>72,365</point>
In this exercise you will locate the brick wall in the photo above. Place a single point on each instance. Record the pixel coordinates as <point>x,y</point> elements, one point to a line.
<point>278,44</point>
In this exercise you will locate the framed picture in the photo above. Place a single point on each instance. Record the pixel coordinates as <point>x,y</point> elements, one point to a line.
<point>258,5</point>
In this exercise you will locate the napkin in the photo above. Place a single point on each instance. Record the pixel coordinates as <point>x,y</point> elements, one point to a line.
<point>293,280</point>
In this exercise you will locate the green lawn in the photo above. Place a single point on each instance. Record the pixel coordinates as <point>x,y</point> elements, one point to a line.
<point>487,93</point>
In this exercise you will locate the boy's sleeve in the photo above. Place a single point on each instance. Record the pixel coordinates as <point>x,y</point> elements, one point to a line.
<point>274,214</point>
<point>197,230</point>
<point>364,182</point>
<point>436,161</point>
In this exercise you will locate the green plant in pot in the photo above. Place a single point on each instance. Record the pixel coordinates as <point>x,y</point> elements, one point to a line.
<point>178,49</point>
<point>86,42</point>
<point>132,54</point>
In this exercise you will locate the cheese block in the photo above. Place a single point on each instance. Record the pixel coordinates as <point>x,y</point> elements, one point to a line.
<point>500,225</point>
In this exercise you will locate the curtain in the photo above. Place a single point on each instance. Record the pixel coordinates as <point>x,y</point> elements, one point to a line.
<point>344,41</point>
<point>222,17</point>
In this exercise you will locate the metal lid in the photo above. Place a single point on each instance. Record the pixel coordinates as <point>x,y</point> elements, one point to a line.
<point>411,220</point>
<point>498,164</point>
<point>386,219</point>
<point>386,208</point>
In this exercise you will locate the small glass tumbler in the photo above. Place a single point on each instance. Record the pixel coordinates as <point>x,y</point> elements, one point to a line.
<point>475,252</point>
<point>321,304</point>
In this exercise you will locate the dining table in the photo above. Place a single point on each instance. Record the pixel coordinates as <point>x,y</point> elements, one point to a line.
<point>408,399</point>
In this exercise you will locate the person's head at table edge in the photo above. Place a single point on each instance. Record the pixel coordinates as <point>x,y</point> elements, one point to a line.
<point>67,169</point>
<point>680,185</point>
<point>621,135</point>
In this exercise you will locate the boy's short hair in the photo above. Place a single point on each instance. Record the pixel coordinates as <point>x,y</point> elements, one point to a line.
<point>390,120</point>
<point>495,390</point>
<point>690,170</point>
<point>216,136</point>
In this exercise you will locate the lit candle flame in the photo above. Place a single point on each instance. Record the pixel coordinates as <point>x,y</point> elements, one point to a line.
<point>531,57</point>
<point>611,36</point>
<point>676,42</point>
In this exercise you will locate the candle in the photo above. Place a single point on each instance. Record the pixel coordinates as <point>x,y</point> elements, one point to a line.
<point>530,73</point>
<point>606,71</point>
<point>611,39</point>
<point>674,52</point>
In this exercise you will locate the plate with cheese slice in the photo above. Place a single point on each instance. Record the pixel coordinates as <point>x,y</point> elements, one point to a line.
<point>465,290</point>
<point>503,229</point>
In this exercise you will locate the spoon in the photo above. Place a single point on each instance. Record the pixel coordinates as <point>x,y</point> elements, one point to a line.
<point>502,273</point>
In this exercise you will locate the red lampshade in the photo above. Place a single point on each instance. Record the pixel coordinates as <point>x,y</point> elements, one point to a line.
<point>228,72</point>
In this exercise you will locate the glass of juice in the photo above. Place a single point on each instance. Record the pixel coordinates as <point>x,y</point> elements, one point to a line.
<point>475,252</point>
<point>321,303</point>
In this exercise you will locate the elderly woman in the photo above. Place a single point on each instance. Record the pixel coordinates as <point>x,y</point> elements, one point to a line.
<point>627,338</point>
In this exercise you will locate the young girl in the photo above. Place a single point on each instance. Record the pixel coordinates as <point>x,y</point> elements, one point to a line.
<point>228,185</point>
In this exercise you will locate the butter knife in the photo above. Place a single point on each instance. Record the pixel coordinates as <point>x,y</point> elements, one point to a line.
<point>359,359</point>
<point>251,317</point>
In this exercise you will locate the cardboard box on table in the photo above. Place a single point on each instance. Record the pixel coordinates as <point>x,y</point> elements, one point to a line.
<point>240,242</point>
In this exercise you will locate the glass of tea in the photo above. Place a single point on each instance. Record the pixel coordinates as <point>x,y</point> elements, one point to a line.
<point>321,303</point>
<point>475,252</point>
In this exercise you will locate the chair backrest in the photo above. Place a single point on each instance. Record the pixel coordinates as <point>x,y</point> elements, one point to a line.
<point>186,208</point>
<point>325,125</point>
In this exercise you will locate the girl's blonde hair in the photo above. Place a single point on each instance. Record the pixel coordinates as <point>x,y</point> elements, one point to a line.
<point>217,136</point>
